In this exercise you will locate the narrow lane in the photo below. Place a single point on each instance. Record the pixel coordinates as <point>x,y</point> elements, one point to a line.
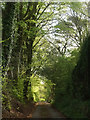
<point>44,110</point>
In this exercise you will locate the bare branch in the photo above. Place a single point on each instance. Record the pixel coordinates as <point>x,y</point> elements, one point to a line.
<point>43,20</point>
<point>43,11</point>
<point>43,26</point>
<point>38,10</point>
<point>38,41</point>
<point>55,47</point>
<point>31,12</point>
<point>27,10</point>
<point>42,43</point>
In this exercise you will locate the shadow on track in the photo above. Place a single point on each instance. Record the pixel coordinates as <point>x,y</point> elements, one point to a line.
<point>45,110</point>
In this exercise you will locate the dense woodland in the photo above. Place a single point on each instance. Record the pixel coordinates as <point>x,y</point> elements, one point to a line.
<point>45,54</point>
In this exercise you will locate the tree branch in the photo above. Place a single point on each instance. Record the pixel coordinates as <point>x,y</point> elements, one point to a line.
<point>38,41</point>
<point>55,47</point>
<point>27,9</point>
<point>31,11</point>
<point>38,10</point>
<point>43,20</point>
<point>43,11</point>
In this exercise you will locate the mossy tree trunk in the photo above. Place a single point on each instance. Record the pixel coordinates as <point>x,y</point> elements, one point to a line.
<point>31,26</point>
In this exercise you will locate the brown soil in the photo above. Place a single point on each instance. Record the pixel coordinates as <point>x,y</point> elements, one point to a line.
<point>31,110</point>
<point>19,110</point>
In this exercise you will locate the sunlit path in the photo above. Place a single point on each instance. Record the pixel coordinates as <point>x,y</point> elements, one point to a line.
<point>44,110</point>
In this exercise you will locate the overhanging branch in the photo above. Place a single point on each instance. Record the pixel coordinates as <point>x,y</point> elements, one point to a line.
<point>43,10</point>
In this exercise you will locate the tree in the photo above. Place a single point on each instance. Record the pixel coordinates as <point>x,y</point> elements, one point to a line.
<point>29,43</point>
<point>7,23</point>
<point>25,33</point>
<point>80,73</point>
<point>71,28</point>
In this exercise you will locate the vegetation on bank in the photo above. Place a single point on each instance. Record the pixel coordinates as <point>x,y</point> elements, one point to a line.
<point>45,56</point>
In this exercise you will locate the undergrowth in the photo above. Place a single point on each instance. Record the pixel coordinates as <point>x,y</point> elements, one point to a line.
<point>73,108</point>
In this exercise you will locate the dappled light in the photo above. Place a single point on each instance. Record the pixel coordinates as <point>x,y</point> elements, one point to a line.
<point>41,88</point>
<point>45,60</point>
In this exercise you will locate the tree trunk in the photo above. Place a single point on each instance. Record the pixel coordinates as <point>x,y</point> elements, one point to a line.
<point>7,23</point>
<point>29,45</point>
<point>16,49</point>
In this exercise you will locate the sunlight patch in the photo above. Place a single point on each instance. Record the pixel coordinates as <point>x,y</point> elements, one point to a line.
<point>42,82</point>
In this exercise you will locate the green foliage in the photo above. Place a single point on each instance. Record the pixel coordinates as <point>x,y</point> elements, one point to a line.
<point>41,88</point>
<point>64,101</point>
<point>72,108</point>
<point>80,73</point>
<point>18,91</point>
<point>34,66</point>
<point>61,72</point>
<point>76,6</point>
<point>65,27</point>
<point>72,23</point>
<point>6,101</point>
<point>7,23</point>
<point>10,91</point>
<point>6,98</point>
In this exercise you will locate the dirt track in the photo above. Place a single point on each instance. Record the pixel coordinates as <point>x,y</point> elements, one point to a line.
<point>44,110</point>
